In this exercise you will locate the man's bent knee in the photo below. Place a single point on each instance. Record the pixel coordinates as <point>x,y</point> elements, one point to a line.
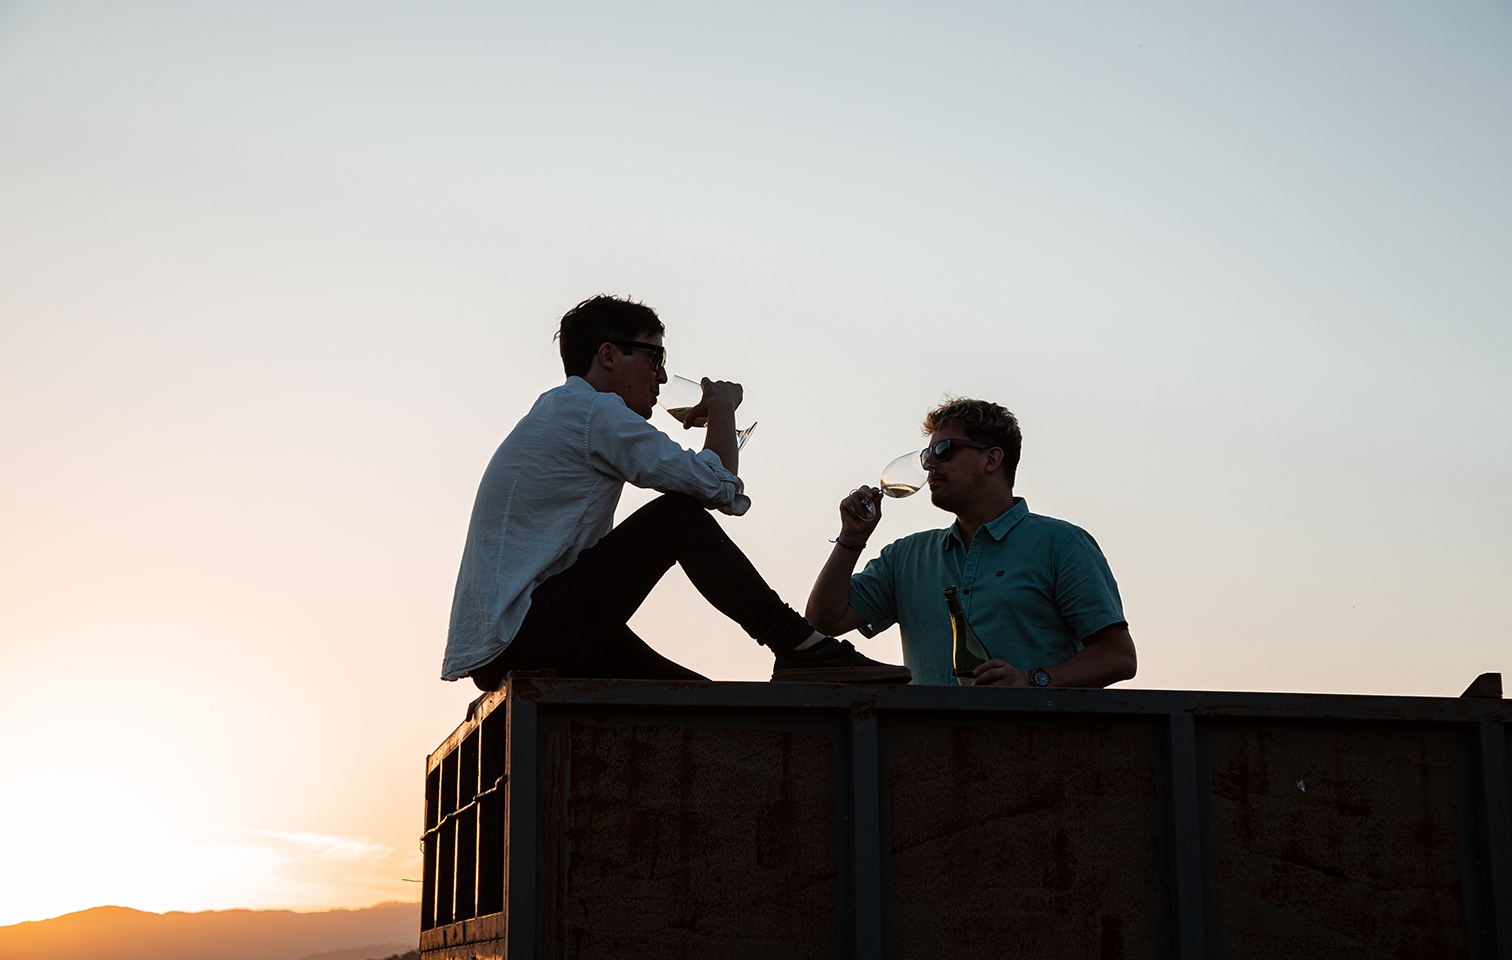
<point>677,508</point>
<point>677,502</point>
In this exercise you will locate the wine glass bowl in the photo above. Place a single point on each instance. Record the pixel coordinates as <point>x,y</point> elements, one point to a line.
<point>903,477</point>
<point>680,395</point>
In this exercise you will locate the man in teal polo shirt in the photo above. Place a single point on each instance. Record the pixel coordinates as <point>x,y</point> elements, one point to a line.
<point>1036,590</point>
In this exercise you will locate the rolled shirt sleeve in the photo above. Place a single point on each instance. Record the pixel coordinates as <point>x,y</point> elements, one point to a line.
<point>620,443</point>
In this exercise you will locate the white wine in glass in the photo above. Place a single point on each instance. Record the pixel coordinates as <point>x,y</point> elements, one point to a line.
<point>679,395</point>
<point>903,477</point>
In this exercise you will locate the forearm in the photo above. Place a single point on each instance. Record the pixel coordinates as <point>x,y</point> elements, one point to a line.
<point>1107,658</point>
<point>829,601</point>
<point>719,436</point>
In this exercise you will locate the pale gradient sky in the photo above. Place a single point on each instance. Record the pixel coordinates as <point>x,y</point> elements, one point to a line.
<point>276,278</point>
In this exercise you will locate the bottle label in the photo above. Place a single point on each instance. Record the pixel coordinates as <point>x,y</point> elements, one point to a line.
<point>966,681</point>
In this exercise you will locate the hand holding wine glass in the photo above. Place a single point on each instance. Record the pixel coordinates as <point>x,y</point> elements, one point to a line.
<point>859,515</point>
<point>689,402</point>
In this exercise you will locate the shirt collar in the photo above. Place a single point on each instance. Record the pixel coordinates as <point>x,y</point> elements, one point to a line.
<point>998,528</point>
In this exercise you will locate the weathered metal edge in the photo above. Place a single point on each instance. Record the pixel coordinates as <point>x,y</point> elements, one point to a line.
<point>484,706</point>
<point>476,950</point>
<point>1199,703</point>
<point>488,927</point>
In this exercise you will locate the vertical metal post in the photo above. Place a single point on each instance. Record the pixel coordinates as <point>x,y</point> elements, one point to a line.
<point>429,848</point>
<point>1496,835</point>
<point>492,759</point>
<point>520,895</point>
<point>1186,835</point>
<point>446,857</point>
<point>866,832</point>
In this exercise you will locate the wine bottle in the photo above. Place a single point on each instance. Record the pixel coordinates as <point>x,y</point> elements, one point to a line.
<point>968,653</point>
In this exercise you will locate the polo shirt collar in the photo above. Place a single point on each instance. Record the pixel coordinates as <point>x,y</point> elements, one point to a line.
<point>998,528</point>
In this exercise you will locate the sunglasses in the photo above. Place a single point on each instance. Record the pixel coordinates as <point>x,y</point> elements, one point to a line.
<point>657,353</point>
<point>941,450</point>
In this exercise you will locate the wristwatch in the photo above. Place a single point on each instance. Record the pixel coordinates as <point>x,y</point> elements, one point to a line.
<point>1039,677</point>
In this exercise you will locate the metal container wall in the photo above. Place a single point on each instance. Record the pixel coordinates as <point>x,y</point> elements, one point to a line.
<point>617,819</point>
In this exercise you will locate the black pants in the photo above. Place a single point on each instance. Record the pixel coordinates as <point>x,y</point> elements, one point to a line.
<point>576,624</point>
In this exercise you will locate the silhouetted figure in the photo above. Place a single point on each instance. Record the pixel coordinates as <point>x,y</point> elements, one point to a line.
<point>547,584</point>
<point>1037,590</point>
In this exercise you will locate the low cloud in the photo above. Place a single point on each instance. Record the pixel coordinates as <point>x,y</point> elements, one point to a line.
<point>328,847</point>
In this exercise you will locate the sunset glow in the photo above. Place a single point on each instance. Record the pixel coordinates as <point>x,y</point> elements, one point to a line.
<point>276,281</point>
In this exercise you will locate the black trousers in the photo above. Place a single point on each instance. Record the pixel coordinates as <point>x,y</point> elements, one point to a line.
<point>576,624</point>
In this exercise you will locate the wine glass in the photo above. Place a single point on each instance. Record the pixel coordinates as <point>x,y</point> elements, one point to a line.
<point>679,395</point>
<point>903,477</point>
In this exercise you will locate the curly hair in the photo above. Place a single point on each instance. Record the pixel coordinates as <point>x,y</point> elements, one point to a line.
<point>596,320</point>
<point>984,422</point>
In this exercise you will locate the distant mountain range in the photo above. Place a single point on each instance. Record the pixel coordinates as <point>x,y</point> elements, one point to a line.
<point>117,933</point>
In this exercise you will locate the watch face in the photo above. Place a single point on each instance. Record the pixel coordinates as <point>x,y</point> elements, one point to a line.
<point>1040,678</point>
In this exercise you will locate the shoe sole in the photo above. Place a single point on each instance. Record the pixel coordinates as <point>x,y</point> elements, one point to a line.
<point>882,673</point>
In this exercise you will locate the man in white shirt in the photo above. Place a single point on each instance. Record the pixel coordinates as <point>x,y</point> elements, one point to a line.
<point>546,583</point>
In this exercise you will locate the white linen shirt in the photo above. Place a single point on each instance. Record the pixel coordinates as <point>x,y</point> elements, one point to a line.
<point>548,494</point>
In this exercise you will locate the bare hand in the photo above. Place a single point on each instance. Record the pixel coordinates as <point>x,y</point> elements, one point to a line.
<point>717,394</point>
<point>859,515</point>
<point>998,673</point>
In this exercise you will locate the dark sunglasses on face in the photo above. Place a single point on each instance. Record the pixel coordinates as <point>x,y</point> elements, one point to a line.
<point>657,352</point>
<point>942,448</point>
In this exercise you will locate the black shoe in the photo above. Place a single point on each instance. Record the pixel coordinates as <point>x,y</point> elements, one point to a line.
<point>835,661</point>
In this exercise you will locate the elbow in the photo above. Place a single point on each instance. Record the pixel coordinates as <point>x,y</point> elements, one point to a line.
<point>1115,655</point>
<point>819,621</point>
<point>1128,663</point>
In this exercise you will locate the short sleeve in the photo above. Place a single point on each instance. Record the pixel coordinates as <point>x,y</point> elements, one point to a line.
<point>874,594</point>
<point>1085,591</point>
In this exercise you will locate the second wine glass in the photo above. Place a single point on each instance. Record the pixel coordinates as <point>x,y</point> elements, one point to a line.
<point>680,395</point>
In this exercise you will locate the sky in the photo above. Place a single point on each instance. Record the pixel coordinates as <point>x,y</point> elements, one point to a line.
<point>277,278</point>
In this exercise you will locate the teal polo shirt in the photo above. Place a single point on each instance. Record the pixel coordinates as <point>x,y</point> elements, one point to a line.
<point>1033,588</point>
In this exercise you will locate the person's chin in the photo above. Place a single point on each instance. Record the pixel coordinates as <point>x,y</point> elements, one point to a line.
<point>940,498</point>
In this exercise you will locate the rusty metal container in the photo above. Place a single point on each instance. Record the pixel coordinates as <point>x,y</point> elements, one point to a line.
<point>617,819</point>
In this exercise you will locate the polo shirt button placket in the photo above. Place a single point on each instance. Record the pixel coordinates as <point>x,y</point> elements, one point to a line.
<point>968,569</point>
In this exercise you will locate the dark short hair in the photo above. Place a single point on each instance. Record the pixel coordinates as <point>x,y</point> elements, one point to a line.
<point>598,320</point>
<point>984,422</point>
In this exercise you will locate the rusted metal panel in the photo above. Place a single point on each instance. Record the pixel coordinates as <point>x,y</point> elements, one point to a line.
<point>480,939</point>
<point>1023,838</point>
<point>579,818</point>
<point>1330,840</point>
<point>469,950</point>
<point>688,836</point>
